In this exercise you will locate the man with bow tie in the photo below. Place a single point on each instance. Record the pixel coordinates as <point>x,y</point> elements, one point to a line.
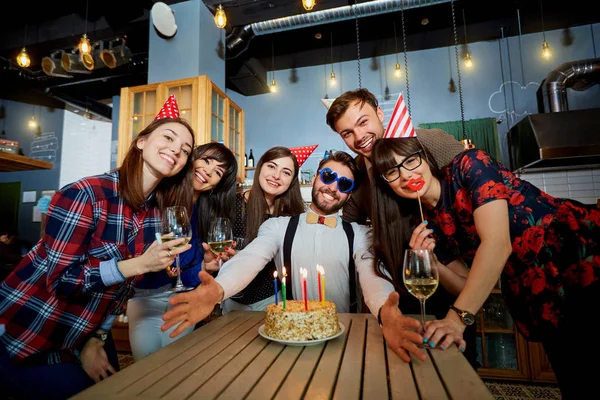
<point>319,237</point>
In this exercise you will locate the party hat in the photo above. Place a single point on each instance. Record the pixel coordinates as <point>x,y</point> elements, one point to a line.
<point>169,109</point>
<point>400,125</point>
<point>302,153</point>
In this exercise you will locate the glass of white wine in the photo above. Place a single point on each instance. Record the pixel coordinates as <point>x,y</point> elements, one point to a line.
<point>176,224</point>
<point>220,236</point>
<point>420,277</point>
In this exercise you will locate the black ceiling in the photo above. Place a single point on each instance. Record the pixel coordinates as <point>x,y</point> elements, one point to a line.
<point>59,24</point>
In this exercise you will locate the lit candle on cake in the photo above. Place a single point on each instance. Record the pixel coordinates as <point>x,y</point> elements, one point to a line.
<point>283,294</point>
<point>320,277</point>
<point>275,283</point>
<point>304,274</point>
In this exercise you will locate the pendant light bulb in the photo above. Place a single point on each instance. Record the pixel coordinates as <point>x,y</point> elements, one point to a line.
<point>546,52</point>
<point>273,86</point>
<point>332,78</point>
<point>468,144</point>
<point>32,123</point>
<point>468,60</point>
<point>308,4</point>
<point>23,59</point>
<point>397,71</point>
<point>220,17</point>
<point>84,45</point>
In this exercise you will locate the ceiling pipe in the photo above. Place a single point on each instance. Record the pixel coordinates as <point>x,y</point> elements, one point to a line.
<point>239,38</point>
<point>579,75</point>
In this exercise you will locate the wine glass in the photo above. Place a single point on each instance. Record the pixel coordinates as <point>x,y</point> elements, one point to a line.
<point>420,277</point>
<point>220,236</point>
<point>176,224</point>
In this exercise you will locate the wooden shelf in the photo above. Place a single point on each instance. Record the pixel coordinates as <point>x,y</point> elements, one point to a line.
<point>497,330</point>
<point>13,162</point>
<point>250,168</point>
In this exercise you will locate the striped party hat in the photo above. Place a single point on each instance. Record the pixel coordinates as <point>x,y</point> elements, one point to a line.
<point>400,125</point>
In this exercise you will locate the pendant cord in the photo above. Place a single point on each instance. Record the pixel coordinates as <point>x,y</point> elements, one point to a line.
<point>520,47</point>
<point>405,58</point>
<point>86,15</point>
<point>273,58</point>
<point>396,42</point>
<point>465,26</point>
<point>25,36</point>
<point>331,37</point>
<point>460,96</point>
<point>357,44</point>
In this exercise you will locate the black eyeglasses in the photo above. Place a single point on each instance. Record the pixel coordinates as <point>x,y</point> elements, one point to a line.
<point>328,176</point>
<point>410,163</point>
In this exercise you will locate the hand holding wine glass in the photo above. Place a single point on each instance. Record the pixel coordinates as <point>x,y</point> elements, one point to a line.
<point>220,236</point>
<point>176,224</point>
<point>420,277</point>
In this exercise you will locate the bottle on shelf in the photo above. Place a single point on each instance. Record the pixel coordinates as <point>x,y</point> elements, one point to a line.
<point>245,160</point>
<point>251,160</point>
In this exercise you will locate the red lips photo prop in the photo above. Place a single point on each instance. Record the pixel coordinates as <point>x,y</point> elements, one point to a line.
<point>416,184</point>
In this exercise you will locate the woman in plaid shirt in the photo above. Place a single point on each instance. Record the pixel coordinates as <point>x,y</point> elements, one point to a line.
<point>99,240</point>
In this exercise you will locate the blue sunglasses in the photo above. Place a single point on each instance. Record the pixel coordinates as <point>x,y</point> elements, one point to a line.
<point>328,176</point>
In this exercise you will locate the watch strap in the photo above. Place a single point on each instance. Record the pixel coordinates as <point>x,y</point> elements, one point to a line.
<point>379,317</point>
<point>100,336</point>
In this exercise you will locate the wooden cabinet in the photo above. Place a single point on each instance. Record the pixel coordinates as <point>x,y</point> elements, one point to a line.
<point>212,115</point>
<point>503,353</point>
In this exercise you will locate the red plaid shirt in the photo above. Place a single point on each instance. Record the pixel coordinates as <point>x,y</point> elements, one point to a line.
<point>56,296</point>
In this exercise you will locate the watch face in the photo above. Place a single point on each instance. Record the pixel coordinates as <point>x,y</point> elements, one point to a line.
<point>468,318</point>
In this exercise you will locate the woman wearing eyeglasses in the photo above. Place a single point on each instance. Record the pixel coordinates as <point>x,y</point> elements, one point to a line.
<point>546,250</point>
<point>274,193</point>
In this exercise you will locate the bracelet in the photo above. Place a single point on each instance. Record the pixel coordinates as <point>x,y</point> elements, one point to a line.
<point>379,317</point>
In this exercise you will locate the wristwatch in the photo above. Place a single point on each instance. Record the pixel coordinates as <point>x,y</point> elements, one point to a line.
<point>466,317</point>
<point>101,336</point>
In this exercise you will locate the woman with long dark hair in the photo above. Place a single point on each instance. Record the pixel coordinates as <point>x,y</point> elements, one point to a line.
<point>275,192</point>
<point>214,169</point>
<point>58,304</point>
<point>545,250</point>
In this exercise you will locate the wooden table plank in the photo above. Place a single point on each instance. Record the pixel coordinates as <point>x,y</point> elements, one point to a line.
<point>325,377</point>
<point>221,380</point>
<point>271,381</point>
<point>400,373</point>
<point>173,366</point>
<point>184,380</point>
<point>426,378</point>
<point>138,370</point>
<point>460,379</point>
<point>349,380</point>
<point>245,381</point>
<point>299,377</point>
<point>375,382</point>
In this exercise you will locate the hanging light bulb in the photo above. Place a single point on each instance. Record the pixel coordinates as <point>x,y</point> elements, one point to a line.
<point>308,4</point>
<point>468,144</point>
<point>546,52</point>
<point>220,17</point>
<point>397,71</point>
<point>332,78</point>
<point>84,45</point>
<point>273,86</point>
<point>23,59</point>
<point>468,60</point>
<point>32,123</point>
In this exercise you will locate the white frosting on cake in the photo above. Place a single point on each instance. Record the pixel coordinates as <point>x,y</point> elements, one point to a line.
<point>295,323</point>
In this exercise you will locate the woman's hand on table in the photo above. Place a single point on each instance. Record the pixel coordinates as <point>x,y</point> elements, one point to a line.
<point>193,306</point>
<point>94,360</point>
<point>399,331</point>
<point>421,238</point>
<point>442,333</point>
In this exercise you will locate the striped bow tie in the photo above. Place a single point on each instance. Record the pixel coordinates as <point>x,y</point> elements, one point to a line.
<point>312,218</point>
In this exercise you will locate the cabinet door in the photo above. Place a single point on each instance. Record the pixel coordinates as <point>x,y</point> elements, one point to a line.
<point>186,93</point>
<point>218,115</point>
<point>139,106</point>
<point>541,371</point>
<point>236,137</point>
<point>502,352</point>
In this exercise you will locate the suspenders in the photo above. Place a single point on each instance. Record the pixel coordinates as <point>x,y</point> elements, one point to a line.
<point>287,257</point>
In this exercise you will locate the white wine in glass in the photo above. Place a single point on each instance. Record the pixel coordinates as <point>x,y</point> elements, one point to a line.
<point>420,277</point>
<point>176,224</point>
<point>220,236</point>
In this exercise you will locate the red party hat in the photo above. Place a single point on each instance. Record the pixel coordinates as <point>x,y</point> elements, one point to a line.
<point>169,109</point>
<point>400,125</point>
<point>303,152</point>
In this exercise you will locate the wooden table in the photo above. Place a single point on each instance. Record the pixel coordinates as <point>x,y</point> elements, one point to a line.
<point>228,359</point>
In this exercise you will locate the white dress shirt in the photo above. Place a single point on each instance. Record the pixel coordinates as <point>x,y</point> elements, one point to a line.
<point>313,244</point>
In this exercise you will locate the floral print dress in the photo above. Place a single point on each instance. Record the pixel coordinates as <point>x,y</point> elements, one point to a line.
<point>555,241</point>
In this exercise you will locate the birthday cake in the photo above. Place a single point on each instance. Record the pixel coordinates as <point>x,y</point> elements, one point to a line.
<point>297,324</point>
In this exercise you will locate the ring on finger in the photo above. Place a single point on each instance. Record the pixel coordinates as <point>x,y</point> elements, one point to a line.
<point>169,253</point>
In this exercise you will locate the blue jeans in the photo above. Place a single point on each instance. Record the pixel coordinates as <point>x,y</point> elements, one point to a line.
<point>55,381</point>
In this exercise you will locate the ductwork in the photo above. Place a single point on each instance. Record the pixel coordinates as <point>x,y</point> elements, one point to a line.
<point>239,38</point>
<point>573,74</point>
<point>559,138</point>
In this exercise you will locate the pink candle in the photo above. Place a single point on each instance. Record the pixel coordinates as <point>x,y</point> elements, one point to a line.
<point>304,274</point>
<point>320,278</point>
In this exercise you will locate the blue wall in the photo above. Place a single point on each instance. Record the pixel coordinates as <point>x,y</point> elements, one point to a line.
<point>17,117</point>
<point>295,116</point>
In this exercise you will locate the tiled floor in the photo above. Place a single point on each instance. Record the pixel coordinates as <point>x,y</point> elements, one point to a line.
<point>500,390</point>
